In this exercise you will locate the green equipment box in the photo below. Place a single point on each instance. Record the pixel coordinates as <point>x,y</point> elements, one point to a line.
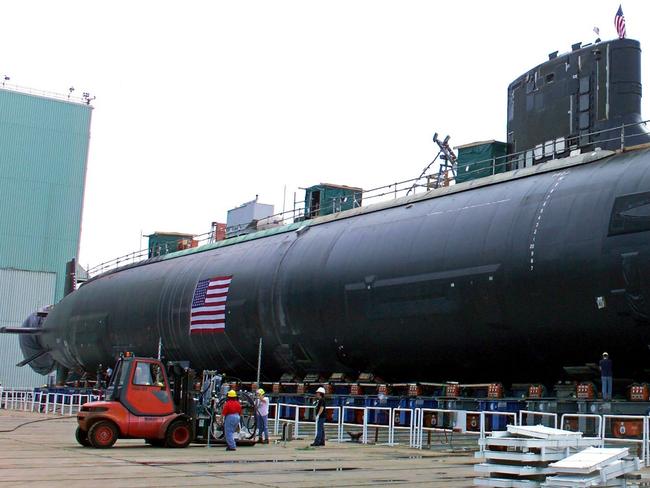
<point>480,159</point>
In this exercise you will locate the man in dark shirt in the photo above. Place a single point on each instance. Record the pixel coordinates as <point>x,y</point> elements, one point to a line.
<point>605,367</point>
<point>320,418</point>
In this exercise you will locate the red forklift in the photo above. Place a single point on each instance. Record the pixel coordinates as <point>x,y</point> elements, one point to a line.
<point>165,407</point>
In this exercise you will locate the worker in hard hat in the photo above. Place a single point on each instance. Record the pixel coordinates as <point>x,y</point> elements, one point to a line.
<point>605,367</point>
<point>262,416</point>
<point>320,418</point>
<point>231,413</point>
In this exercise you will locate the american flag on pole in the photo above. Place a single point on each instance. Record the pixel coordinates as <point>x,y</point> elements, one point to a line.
<point>619,22</point>
<point>208,312</point>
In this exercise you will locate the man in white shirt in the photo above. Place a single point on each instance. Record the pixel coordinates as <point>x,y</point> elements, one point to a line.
<point>262,416</point>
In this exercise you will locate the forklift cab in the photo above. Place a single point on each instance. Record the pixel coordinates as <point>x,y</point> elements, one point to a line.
<point>141,385</point>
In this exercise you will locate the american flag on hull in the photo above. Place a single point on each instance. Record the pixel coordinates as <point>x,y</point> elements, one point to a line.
<point>208,312</point>
<point>619,22</point>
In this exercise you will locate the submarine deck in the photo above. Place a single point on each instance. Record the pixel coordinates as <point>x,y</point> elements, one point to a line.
<point>299,226</point>
<point>46,454</point>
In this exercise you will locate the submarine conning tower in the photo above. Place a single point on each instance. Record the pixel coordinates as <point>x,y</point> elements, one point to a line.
<point>577,101</point>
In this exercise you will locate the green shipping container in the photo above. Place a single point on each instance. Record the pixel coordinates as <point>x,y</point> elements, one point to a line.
<point>166,242</point>
<point>326,199</point>
<point>480,159</point>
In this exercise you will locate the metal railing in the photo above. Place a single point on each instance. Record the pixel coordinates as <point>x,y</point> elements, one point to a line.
<point>375,419</point>
<point>420,420</point>
<point>533,414</point>
<point>446,421</point>
<point>278,220</point>
<point>273,417</point>
<point>559,148</point>
<point>144,254</point>
<point>84,100</point>
<point>436,422</point>
<point>283,418</point>
<point>305,415</point>
<point>627,438</point>
<point>44,402</point>
<point>407,421</point>
<point>485,430</point>
<point>337,419</point>
<point>550,150</point>
<point>293,417</point>
<point>583,418</point>
<point>347,410</point>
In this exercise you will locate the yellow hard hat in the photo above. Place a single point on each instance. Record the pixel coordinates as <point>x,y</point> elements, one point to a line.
<point>232,394</point>
<point>260,392</point>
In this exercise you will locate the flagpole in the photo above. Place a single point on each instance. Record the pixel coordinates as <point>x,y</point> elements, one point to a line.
<point>259,362</point>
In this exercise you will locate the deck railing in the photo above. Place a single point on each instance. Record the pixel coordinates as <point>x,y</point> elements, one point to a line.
<point>626,135</point>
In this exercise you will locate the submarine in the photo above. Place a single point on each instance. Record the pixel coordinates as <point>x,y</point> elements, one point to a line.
<point>510,277</point>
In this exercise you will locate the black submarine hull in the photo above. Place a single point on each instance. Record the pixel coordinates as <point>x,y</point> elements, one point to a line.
<point>509,281</point>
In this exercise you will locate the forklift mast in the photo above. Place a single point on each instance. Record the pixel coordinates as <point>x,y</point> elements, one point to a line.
<point>181,378</point>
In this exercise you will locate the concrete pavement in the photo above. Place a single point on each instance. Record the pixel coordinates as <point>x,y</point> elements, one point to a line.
<point>46,454</point>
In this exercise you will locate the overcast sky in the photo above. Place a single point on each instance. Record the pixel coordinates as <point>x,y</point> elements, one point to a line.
<point>202,105</point>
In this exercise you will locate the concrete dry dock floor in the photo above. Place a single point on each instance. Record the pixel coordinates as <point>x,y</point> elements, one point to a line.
<point>46,454</point>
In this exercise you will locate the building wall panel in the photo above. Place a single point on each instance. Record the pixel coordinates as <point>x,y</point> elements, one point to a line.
<point>10,375</point>
<point>21,293</point>
<point>43,154</point>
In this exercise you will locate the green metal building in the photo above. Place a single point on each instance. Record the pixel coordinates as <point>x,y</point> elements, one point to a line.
<point>43,158</point>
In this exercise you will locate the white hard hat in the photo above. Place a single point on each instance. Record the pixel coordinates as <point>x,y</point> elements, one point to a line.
<point>320,390</point>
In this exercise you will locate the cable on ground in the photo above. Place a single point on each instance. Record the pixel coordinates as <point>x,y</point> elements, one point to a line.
<point>36,421</point>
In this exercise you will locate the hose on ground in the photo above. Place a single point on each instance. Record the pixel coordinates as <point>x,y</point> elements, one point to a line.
<point>36,421</point>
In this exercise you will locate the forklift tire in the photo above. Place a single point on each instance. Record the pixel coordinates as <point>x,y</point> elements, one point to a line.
<point>178,434</point>
<point>82,437</point>
<point>103,434</point>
